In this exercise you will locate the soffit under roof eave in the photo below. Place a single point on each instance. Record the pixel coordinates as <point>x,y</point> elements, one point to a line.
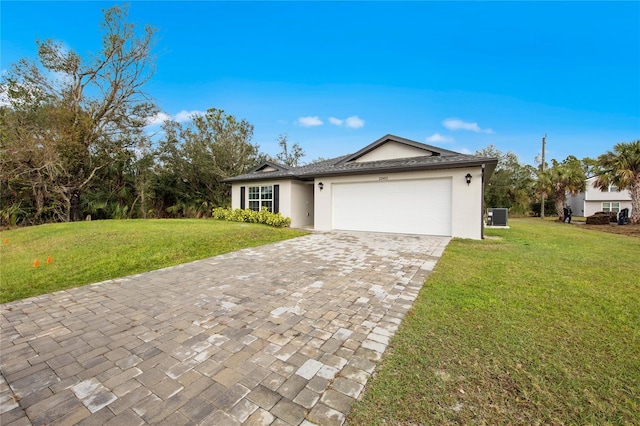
<point>399,169</point>
<point>489,163</point>
<point>490,167</point>
<point>265,178</point>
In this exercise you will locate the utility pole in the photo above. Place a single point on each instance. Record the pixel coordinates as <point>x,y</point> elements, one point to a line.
<point>544,141</point>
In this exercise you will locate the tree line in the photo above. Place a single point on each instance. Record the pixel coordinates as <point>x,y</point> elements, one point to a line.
<point>522,187</point>
<point>74,143</point>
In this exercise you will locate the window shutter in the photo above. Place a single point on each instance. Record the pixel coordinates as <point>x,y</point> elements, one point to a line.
<point>242,189</point>
<point>276,198</point>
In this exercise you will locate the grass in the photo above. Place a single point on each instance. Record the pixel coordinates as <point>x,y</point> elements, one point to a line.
<point>87,252</point>
<point>538,324</point>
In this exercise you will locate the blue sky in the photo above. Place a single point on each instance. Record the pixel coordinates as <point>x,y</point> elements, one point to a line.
<point>335,76</point>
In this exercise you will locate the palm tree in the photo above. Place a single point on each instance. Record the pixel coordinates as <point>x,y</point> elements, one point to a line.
<point>562,178</point>
<point>621,167</point>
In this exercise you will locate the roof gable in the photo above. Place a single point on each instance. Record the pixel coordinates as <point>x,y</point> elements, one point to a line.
<point>391,150</point>
<point>388,154</point>
<point>392,147</point>
<point>269,166</point>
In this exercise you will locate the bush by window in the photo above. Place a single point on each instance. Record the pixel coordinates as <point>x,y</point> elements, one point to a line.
<point>252,216</point>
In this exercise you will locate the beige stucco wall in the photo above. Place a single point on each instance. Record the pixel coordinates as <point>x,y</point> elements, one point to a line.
<point>392,150</point>
<point>466,219</point>
<point>289,190</point>
<point>302,213</point>
<point>285,194</point>
<point>313,207</point>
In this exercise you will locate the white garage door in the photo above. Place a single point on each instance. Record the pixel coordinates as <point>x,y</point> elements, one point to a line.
<point>408,206</point>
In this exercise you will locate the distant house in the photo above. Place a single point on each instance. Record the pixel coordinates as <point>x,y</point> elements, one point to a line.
<point>595,200</point>
<point>391,185</point>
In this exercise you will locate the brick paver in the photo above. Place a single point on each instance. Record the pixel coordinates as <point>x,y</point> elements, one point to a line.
<point>286,333</point>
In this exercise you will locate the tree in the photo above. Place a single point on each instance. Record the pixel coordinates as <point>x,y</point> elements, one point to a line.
<point>318,160</point>
<point>76,107</point>
<point>621,167</point>
<point>290,157</point>
<point>567,176</point>
<point>196,157</point>
<point>24,189</point>
<point>511,184</point>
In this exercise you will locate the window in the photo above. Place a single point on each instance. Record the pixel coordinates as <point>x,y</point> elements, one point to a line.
<point>610,188</point>
<point>611,207</point>
<point>261,196</point>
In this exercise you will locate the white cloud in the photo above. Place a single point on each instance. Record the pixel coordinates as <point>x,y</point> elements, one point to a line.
<point>354,122</point>
<point>456,124</point>
<point>159,118</point>
<point>183,115</point>
<point>180,117</point>
<point>310,121</point>
<point>437,137</point>
<point>465,151</point>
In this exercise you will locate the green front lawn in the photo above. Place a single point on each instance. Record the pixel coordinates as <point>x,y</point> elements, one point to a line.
<point>538,324</point>
<point>87,252</point>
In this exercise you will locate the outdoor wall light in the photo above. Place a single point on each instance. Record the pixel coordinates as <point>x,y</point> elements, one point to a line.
<point>320,185</point>
<point>468,178</point>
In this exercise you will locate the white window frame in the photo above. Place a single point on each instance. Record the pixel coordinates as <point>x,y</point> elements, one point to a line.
<point>260,196</point>
<point>611,206</point>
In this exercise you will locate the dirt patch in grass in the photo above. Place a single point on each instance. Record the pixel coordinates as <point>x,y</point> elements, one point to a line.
<point>630,230</point>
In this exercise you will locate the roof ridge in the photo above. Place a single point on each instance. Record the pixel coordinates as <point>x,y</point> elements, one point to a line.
<point>343,165</point>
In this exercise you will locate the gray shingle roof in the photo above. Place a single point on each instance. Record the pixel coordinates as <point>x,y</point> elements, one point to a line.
<point>436,158</point>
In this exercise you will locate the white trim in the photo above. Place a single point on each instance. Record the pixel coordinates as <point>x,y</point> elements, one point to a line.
<point>262,199</point>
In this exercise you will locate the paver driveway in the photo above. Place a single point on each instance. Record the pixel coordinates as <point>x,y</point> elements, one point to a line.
<point>286,333</point>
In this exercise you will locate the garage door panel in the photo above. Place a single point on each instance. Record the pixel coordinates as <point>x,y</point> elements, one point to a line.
<point>415,206</point>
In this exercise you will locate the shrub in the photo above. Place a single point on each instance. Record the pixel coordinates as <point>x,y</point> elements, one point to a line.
<point>251,216</point>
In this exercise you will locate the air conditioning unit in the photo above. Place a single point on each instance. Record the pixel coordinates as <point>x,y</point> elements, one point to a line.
<point>497,216</point>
